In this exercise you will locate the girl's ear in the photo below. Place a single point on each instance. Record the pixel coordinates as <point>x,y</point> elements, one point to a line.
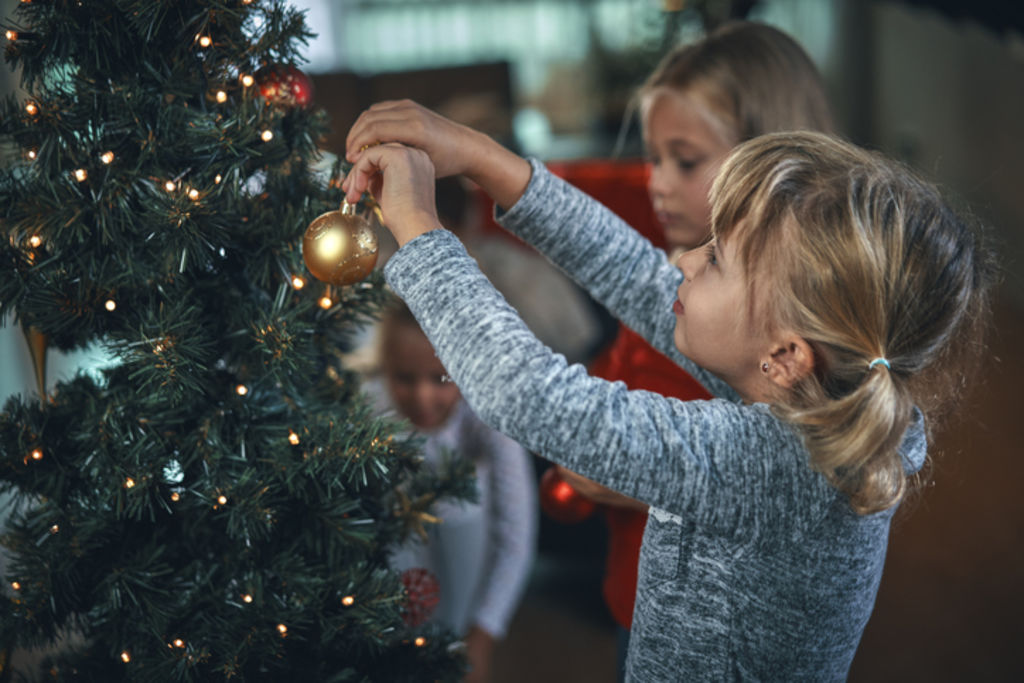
<point>791,360</point>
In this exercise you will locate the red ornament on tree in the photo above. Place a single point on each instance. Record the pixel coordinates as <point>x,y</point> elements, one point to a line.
<point>423,592</point>
<point>284,86</point>
<point>560,501</point>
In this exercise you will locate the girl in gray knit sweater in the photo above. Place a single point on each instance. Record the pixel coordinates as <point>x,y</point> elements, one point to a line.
<point>825,315</point>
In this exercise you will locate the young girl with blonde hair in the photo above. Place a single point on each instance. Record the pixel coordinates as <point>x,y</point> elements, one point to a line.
<point>742,80</point>
<point>837,293</point>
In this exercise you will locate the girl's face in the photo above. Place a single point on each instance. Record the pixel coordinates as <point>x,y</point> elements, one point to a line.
<point>713,323</point>
<point>685,149</point>
<point>416,379</point>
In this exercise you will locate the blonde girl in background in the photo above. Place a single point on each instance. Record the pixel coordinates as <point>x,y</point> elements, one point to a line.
<point>837,296</point>
<point>481,553</point>
<point>742,80</point>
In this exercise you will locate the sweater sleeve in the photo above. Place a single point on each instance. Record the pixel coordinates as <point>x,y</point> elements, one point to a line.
<point>634,280</point>
<point>715,462</point>
<point>512,530</point>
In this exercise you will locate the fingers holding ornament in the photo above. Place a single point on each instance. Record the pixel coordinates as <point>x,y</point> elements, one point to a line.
<point>401,181</point>
<point>340,247</point>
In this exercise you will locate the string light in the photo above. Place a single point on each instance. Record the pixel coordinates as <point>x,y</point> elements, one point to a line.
<point>11,35</point>
<point>298,282</point>
<point>267,135</point>
<point>293,438</point>
<point>175,496</point>
<point>246,598</point>
<point>55,528</point>
<point>31,108</point>
<point>204,41</point>
<point>178,642</point>
<point>37,454</point>
<point>325,302</point>
<point>420,641</point>
<point>110,304</point>
<point>16,585</point>
<point>193,194</point>
<point>221,96</point>
<point>241,390</point>
<point>348,601</point>
<point>129,483</point>
<point>35,240</point>
<point>125,657</point>
<point>170,186</point>
<point>216,181</point>
<point>222,499</point>
<point>107,157</point>
<point>247,80</point>
<point>81,174</point>
<point>282,629</point>
<point>31,154</point>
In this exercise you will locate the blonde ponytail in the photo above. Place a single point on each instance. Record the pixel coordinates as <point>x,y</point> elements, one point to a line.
<point>889,287</point>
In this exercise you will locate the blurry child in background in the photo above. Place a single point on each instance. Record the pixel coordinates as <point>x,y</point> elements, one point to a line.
<point>741,81</point>
<point>481,553</point>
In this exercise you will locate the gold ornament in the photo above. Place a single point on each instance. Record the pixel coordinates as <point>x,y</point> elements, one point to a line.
<point>340,247</point>
<point>38,344</point>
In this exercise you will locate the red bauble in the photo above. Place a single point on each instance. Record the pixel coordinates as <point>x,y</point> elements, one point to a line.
<point>284,86</point>
<point>562,502</point>
<point>423,592</point>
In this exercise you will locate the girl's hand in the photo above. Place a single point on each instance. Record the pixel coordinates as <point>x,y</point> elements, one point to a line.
<point>451,146</point>
<point>453,149</point>
<point>401,179</point>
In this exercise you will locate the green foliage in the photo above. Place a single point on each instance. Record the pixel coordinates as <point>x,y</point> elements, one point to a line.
<point>201,507</point>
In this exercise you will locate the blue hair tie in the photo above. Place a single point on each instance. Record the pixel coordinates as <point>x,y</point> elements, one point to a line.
<point>879,361</point>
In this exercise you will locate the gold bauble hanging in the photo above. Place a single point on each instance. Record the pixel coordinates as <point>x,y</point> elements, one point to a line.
<point>340,247</point>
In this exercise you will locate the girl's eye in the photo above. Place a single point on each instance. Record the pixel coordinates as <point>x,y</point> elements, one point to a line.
<point>712,256</point>
<point>687,165</point>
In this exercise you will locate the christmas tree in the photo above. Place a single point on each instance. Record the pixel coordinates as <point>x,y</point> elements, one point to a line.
<point>219,502</point>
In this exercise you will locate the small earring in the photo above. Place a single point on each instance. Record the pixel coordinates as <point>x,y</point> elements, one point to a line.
<point>764,367</point>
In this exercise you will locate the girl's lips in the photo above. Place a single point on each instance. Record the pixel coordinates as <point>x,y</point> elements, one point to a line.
<point>677,307</point>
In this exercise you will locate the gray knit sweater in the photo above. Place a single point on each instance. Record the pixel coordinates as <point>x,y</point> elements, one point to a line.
<point>752,566</point>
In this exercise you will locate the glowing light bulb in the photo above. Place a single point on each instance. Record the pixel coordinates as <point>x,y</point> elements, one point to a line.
<point>55,528</point>
<point>37,454</point>
<point>16,585</point>
<point>11,35</point>
<point>247,80</point>
<point>221,96</point>
<point>267,135</point>
<point>31,154</point>
<point>110,304</point>
<point>129,483</point>
<point>298,282</point>
<point>325,302</point>
<point>348,601</point>
<point>107,157</point>
<point>247,598</point>
<point>204,41</point>
<point>178,642</point>
<point>241,390</point>
<point>170,186</point>
<point>282,629</point>
<point>125,657</point>
<point>420,641</point>
<point>35,240</point>
<point>81,174</point>
<point>193,194</point>
<point>218,179</point>
<point>293,438</point>
<point>31,108</point>
<point>175,496</point>
<point>222,499</point>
